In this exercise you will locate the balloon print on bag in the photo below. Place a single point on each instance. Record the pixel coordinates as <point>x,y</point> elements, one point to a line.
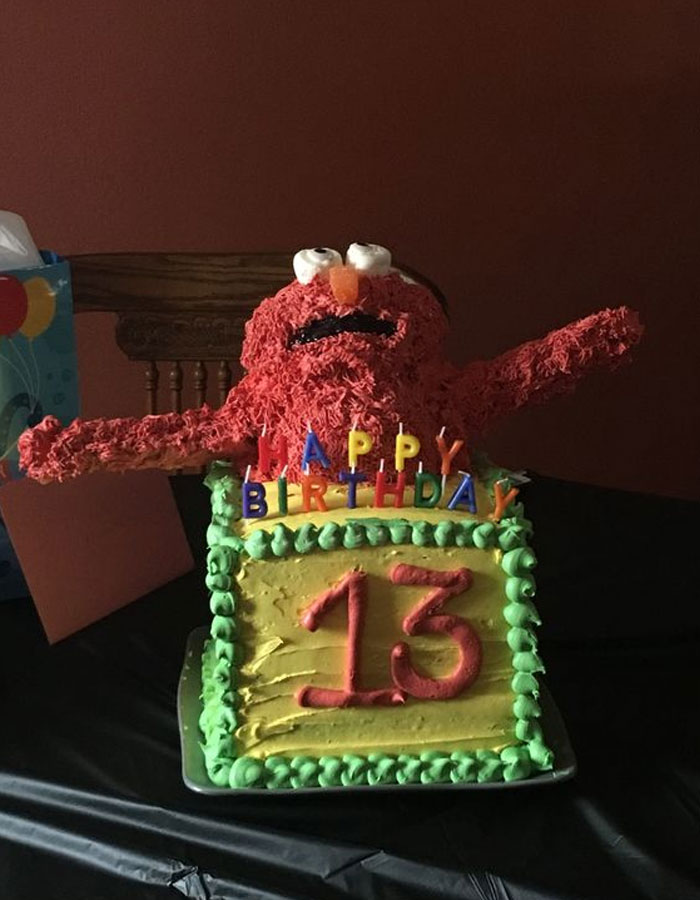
<point>27,307</point>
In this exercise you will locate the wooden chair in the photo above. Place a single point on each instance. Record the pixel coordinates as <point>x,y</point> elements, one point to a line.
<point>178,307</point>
<point>182,307</point>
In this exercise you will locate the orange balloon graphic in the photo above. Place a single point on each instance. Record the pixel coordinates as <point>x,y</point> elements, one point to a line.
<point>41,307</point>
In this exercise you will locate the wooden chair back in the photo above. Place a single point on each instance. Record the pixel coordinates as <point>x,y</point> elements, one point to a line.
<point>182,307</point>
<point>177,307</point>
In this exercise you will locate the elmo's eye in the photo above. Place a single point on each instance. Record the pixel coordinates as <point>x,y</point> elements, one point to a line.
<point>370,259</point>
<point>309,263</point>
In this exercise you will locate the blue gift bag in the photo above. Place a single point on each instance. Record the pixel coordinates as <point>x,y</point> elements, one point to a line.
<point>38,372</point>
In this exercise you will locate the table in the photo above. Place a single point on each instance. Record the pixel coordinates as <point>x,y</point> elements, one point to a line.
<point>92,804</point>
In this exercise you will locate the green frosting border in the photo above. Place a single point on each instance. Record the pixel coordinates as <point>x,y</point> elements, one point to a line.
<point>220,700</point>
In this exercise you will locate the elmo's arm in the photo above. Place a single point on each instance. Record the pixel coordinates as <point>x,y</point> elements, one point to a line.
<point>538,370</point>
<point>50,452</point>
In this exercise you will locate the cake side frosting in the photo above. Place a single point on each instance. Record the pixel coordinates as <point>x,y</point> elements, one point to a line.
<point>261,578</point>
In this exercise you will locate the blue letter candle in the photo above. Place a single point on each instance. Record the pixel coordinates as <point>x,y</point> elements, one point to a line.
<point>352,479</point>
<point>464,494</point>
<point>254,503</point>
<point>313,452</point>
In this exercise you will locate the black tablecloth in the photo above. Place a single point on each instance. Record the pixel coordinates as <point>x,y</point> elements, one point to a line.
<point>92,804</point>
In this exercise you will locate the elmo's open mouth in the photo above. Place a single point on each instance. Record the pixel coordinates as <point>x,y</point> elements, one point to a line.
<point>356,323</point>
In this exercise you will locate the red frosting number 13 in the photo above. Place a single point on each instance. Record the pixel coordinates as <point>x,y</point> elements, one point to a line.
<point>425,618</point>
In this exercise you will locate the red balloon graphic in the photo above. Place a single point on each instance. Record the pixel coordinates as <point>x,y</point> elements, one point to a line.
<point>13,304</point>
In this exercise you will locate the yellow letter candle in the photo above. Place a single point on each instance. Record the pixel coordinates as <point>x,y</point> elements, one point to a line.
<point>407,446</point>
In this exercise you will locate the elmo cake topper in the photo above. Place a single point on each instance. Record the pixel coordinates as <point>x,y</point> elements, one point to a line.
<point>354,343</point>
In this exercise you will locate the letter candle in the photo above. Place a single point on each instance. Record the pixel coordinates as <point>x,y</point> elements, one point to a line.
<point>381,488</point>
<point>422,478</point>
<point>269,452</point>
<point>501,500</point>
<point>313,451</point>
<point>282,492</point>
<point>352,479</point>
<point>254,503</point>
<point>313,487</point>
<point>464,494</point>
<point>446,456</point>
<point>359,443</point>
<point>407,446</point>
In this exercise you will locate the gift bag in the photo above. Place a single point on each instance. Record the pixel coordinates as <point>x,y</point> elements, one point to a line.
<point>38,372</point>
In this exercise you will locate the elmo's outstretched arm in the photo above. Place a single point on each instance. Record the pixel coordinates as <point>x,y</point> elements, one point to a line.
<point>50,452</point>
<point>538,370</point>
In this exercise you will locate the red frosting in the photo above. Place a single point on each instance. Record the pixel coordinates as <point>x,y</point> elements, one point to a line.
<point>375,380</point>
<point>353,587</point>
<point>422,620</point>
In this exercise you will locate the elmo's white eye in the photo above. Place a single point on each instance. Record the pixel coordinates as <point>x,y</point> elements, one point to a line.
<point>309,263</point>
<point>370,259</point>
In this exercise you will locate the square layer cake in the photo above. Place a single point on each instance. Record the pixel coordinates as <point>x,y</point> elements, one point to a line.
<point>365,646</point>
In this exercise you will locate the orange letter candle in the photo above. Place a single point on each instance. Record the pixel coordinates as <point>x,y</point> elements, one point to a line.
<point>313,487</point>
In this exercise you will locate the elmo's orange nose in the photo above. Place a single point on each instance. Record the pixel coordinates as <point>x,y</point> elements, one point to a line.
<point>344,284</point>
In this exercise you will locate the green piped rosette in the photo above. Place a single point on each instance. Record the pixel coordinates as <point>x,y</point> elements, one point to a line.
<point>218,718</point>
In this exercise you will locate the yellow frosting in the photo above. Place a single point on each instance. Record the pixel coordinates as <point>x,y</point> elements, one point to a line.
<point>282,656</point>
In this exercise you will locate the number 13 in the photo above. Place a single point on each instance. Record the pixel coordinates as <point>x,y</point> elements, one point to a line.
<point>424,618</point>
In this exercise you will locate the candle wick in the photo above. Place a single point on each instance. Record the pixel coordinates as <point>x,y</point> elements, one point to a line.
<point>283,474</point>
<point>442,431</point>
<point>247,473</point>
<point>381,465</point>
<point>400,427</point>
<point>264,429</point>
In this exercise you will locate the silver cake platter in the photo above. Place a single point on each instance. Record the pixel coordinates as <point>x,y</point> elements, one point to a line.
<point>189,707</point>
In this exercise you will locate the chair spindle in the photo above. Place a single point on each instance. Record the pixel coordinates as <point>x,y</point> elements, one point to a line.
<point>152,377</point>
<point>224,379</point>
<point>176,387</point>
<point>199,377</point>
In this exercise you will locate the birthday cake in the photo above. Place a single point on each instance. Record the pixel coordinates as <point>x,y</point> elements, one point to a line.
<point>379,639</point>
<point>370,580</point>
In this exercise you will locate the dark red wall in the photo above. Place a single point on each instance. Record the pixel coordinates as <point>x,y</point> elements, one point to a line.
<point>537,160</point>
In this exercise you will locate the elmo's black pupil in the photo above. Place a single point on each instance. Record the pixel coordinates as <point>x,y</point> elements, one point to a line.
<point>320,250</point>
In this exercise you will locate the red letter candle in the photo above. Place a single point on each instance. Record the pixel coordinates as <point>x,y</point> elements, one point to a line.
<point>381,488</point>
<point>269,452</point>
